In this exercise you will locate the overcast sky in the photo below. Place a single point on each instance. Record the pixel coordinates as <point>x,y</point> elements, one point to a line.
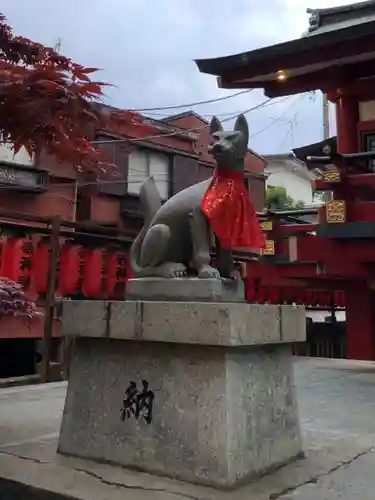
<point>147,47</point>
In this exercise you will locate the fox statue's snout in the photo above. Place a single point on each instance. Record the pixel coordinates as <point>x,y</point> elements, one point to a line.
<point>220,147</point>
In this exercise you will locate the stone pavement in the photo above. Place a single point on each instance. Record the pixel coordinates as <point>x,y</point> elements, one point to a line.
<point>337,408</point>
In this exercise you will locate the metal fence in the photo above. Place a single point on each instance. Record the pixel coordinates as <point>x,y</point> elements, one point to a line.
<point>323,340</point>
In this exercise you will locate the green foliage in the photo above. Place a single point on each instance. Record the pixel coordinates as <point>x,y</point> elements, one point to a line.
<point>277,198</point>
<point>321,196</point>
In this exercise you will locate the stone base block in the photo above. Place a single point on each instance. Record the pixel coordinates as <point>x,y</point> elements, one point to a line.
<point>219,324</point>
<point>186,289</point>
<point>222,412</point>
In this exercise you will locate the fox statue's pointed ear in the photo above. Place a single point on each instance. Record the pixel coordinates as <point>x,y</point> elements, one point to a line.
<point>215,125</point>
<point>242,126</point>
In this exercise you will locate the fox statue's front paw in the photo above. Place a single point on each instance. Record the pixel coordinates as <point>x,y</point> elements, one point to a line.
<point>172,270</point>
<point>208,272</point>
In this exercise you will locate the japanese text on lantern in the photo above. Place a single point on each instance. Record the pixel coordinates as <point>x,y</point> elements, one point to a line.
<point>117,274</point>
<point>17,260</point>
<point>93,274</point>
<point>71,269</point>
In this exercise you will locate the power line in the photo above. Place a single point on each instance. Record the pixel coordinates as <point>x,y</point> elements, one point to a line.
<point>263,104</point>
<point>292,123</point>
<point>210,115</point>
<point>190,104</point>
<point>279,118</point>
<point>181,131</point>
<point>288,131</point>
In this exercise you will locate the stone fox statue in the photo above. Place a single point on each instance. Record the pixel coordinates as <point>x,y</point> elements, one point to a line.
<point>176,236</point>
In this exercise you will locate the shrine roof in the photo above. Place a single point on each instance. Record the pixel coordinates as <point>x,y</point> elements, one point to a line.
<point>315,149</point>
<point>339,42</point>
<point>333,18</point>
<point>184,114</point>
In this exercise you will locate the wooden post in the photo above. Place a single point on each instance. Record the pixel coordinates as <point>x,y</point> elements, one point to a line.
<point>360,321</point>
<point>346,124</point>
<point>325,117</point>
<point>50,298</point>
<point>327,195</point>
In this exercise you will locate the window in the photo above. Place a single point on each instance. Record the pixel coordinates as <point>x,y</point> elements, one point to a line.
<point>143,163</point>
<point>137,170</point>
<point>21,158</point>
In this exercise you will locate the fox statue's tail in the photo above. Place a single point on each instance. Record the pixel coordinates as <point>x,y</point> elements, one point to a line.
<point>151,202</point>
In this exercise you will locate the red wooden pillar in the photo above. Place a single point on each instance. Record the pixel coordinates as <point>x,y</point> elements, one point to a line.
<point>359,299</point>
<point>346,124</point>
<point>360,322</point>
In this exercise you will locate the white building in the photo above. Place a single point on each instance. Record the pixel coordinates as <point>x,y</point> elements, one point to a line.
<point>286,171</point>
<point>21,158</point>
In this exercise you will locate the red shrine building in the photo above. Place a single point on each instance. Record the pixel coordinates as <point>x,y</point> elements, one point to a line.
<point>336,56</point>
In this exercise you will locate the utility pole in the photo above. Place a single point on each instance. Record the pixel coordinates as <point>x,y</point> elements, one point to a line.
<point>58,45</point>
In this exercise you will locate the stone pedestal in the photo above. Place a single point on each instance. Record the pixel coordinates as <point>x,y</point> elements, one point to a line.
<point>224,407</point>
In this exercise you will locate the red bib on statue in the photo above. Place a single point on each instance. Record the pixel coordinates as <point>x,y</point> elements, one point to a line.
<point>230,212</point>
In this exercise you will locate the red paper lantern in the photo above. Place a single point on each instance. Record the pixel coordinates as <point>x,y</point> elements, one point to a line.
<point>318,298</point>
<point>326,300</point>
<point>339,298</point>
<point>94,272</point>
<point>2,244</point>
<point>117,274</point>
<point>273,295</point>
<point>72,261</point>
<point>289,295</point>
<point>281,292</point>
<point>250,290</point>
<point>41,268</point>
<point>300,298</point>
<point>309,298</point>
<point>261,295</point>
<point>314,298</point>
<point>17,260</point>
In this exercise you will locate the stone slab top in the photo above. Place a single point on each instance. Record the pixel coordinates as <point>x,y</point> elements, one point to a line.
<point>203,323</point>
<point>186,290</point>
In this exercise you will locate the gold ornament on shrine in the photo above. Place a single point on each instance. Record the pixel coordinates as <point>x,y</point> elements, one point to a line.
<point>269,249</point>
<point>335,211</point>
<point>332,175</point>
<point>266,225</point>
